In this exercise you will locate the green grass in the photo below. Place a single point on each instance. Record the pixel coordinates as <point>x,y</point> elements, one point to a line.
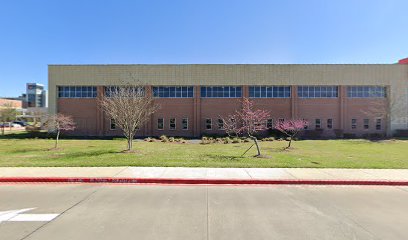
<point>305,154</point>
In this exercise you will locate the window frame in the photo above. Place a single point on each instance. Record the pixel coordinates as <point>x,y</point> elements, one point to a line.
<point>182,123</point>
<point>175,124</point>
<point>112,122</point>
<point>378,124</point>
<point>318,125</point>
<point>161,129</point>
<point>206,124</point>
<point>366,123</point>
<point>354,123</point>
<point>329,123</point>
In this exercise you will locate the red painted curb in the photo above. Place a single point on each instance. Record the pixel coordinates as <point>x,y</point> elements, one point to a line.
<point>198,181</point>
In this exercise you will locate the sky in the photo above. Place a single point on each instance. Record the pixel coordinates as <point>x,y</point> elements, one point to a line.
<point>35,33</point>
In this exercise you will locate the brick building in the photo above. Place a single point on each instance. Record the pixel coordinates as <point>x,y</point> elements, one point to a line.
<point>332,97</point>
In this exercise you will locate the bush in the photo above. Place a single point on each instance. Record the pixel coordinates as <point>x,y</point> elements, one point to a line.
<point>164,138</point>
<point>236,140</point>
<point>171,139</point>
<point>227,140</point>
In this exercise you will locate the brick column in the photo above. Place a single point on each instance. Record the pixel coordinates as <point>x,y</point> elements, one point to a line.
<point>148,129</point>
<point>342,106</point>
<point>100,116</point>
<point>294,100</point>
<point>197,112</point>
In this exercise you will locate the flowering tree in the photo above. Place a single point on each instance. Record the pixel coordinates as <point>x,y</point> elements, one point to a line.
<point>57,123</point>
<point>291,128</point>
<point>247,122</point>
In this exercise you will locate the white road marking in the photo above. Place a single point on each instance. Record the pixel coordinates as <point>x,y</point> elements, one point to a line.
<point>19,216</point>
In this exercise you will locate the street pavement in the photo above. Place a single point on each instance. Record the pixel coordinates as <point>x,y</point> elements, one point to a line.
<point>98,211</point>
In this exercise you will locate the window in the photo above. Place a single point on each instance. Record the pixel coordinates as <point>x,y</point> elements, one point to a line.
<point>366,123</point>
<point>221,92</point>
<point>220,124</point>
<point>318,91</point>
<point>269,91</point>
<point>172,124</point>
<point>110,90</point>
<point>184,123</point>
<point>306,125</point>
<point>77,92</point>
<point>378,124</point>
<point>366,92</point>
<point>318,124</point>
<point>353,123</point>
<point>160,123</point>
<point>208,124</point>
<point>329,123</point>
<point>112,124</point>
<point>281,120</point>
<point>173,92</point>
<point>269,123</point>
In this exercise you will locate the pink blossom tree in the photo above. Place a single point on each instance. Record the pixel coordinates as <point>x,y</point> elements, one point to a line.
<point>57,123</point>
<point>291,128</point>
<point>247,121</point>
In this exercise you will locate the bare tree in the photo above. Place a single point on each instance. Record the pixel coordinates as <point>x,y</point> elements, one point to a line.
<point>57,123</point>
<point>291,128</point>
<point>247,121</point>
<point>7,114</point>
<point>130,107</point>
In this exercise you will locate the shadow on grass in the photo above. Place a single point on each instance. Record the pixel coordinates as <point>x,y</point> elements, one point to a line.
<point>27,150</point>
<point>223,157</point>
<point>86,154</point>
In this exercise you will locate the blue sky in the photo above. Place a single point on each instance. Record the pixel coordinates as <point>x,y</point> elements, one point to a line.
<point>35,33</point>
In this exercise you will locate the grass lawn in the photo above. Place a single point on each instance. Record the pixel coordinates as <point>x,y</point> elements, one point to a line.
<point>308,153</point>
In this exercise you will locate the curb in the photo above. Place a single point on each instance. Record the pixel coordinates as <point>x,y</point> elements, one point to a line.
<point>198,181</point>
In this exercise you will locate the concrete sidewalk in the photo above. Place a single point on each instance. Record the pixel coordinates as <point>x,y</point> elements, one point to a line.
<point>207,173</point>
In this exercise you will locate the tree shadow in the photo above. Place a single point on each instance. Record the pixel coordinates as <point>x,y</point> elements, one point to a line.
<point>223,157</point>
<point>88,154</point>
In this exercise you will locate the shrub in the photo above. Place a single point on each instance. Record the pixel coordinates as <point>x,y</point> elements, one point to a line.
<point>164,138</point>
<point>171,139</point>
<point>227,140</point>
<point>236,140</point>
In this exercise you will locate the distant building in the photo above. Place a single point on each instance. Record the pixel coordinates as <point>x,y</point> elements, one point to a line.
<point>4,102</point>
<point>36,95</point>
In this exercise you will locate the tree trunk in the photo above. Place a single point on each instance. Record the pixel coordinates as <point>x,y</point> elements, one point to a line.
<point>290,141</point>
<point>257,146</point>
<point>130,142</point>
<point>56,139</point>
<point>2,130</point>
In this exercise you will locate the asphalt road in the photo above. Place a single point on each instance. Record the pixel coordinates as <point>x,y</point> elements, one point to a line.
<point>206,212</point>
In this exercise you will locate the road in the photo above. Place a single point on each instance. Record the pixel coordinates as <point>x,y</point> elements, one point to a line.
<point>206,212</point>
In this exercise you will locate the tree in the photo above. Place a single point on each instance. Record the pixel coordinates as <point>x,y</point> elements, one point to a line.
<point>130,107</point>
<point>57,123</point>
<point>291,128</point>
<point>7,114</point>
<point>247,121</point>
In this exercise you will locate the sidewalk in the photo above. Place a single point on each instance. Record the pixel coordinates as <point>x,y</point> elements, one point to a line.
<point>206,175</point>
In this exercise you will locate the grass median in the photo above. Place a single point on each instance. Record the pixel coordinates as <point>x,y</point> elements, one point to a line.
<point>304,154</point>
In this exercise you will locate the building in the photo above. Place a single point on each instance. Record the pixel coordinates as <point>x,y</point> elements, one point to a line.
<point>335,98</point>
<point>6,102</point>
<point>36,96</point>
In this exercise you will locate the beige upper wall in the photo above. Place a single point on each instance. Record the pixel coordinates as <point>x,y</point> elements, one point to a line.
<point>394,75</point>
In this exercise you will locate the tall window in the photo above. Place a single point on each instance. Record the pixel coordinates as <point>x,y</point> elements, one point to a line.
<point>77,92</point>
<point>318,91</point>
<point>269,123</point>
<point>318,124</point>
<point>378,124</point>
<point>173,92</point>
<point>329,123</point>
<point>269,91</point>
<point>366,92</point>
<point>220,124</point>
<point>112,124</point>
<point>221,92</point>
<point>353,123</point>
<point>366,123</point>
<point>184,123</point>
<point>208,124</point>
<point>160,123</point>
<point>172,124</point>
